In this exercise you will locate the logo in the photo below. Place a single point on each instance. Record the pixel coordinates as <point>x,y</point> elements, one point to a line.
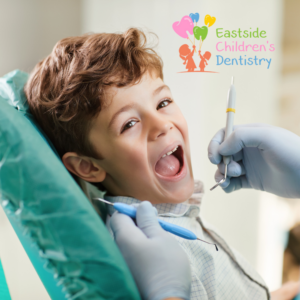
<point>187,52</point>
<point>232,51</point>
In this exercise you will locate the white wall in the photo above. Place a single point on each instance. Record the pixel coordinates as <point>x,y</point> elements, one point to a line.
<point>29,30</point>
<point>202,96</point>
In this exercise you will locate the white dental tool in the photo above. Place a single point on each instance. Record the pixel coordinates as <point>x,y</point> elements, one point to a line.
<point>229,127</point>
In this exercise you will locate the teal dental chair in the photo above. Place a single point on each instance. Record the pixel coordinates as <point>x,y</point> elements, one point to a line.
<point>65,239</point>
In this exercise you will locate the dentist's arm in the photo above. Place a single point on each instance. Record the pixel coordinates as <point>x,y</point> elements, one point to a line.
<point>288,291</point>
<point>159,265</point>
<point>265,158</point>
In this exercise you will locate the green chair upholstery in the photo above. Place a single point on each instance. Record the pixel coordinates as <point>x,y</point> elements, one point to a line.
<point>65,239</point>
<point>4,292</point>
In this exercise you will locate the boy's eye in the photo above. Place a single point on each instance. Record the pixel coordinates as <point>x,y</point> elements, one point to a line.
<point>131,123</point>
<point>128,125</point>
<point>164,103</point>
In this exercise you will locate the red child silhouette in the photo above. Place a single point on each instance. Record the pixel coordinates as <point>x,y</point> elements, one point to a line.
<point>204,58</point>
<point>187,55</point>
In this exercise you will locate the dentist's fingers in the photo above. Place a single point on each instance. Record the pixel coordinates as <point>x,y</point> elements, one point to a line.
<point>214,153</point>
<point>232,183</point>
<point>147,220</point>
<point>122,226</point>
<point>238,156</point>
<point>240,138</point>
<point>213,147</point>
<point>234,169</point>
<point>136,205</point>
<point>120,221</point>
<point>219,176</point>
<point>237,183</point>
<point>243,137</point>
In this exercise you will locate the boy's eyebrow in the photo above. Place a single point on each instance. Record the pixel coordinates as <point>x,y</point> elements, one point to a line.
<point>164,86</point>
<point>129,106</point>
<point>124,108</point>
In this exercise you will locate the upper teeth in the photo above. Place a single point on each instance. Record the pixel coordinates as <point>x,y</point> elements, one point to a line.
<point>170,152</point>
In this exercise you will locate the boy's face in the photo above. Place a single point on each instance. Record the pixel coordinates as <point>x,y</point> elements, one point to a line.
<point>133,132</point>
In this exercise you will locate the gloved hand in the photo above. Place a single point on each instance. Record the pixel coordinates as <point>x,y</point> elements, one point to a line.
<point>265,158</point>
<point>159,265</point>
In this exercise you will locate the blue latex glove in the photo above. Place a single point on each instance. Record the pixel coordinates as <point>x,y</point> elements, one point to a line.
<point>265,158</point>
<point>159,265</point>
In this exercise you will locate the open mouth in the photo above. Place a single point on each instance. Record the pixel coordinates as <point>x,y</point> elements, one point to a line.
<point>171,163</point>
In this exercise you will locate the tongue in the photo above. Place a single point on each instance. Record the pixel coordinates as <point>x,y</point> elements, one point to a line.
<point>168,166</point>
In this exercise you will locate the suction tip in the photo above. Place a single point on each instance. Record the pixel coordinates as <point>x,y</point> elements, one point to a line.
<point>232,80</point>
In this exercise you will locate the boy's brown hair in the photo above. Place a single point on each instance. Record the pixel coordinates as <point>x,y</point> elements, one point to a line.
<point>66,89</point>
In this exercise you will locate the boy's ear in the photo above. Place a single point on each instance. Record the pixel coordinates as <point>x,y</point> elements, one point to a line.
<point>84,167</point>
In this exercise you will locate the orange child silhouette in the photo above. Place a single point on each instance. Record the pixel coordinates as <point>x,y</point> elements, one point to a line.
<point>204,59</point>
<point>187,55</point>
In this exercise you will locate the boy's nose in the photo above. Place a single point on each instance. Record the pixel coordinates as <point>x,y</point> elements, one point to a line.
<point>159,126</point>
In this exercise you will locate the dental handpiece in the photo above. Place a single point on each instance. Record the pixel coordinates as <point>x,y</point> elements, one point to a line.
<point>231,99</point>
<point>172,228</point>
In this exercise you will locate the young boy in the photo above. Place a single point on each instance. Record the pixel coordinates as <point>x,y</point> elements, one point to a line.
<point>102,101</point>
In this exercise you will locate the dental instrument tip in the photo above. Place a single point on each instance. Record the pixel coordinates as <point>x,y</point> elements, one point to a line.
<point>102,200</point>
<point>222,180</point>
<point>217,184</point>
<point>209,243</point>
<point>232,80</point>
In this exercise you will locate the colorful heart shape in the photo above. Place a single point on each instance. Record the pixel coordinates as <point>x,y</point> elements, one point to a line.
<point>196,31</point>
<point>209,20</point>
<point>195,17</point>
<point>181,27</point>
<point>200,31</point>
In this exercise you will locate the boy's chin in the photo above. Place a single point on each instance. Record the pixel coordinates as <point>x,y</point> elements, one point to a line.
<point>171,200</point>
<point>176,197</point>
<point>180,198</point>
